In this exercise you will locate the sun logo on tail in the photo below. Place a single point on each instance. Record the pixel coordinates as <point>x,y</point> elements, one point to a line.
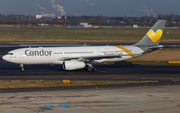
<point>154,36</point>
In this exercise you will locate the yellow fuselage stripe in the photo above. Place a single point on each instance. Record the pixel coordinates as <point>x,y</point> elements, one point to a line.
<point>127,51</point>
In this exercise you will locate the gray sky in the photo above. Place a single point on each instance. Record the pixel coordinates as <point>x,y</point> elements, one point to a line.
<point>133,8</point>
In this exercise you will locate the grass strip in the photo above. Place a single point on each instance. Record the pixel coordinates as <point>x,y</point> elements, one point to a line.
<point>5,84</point>
<point>110,35</point>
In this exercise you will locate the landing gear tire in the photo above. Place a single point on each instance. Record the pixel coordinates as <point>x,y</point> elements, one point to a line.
<point>94,69</point>
<point>89,69</point>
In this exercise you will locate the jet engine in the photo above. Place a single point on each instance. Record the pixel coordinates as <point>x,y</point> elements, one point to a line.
<point>73,65</point>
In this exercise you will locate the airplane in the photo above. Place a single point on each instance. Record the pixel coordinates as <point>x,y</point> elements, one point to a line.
<point>74,58</point>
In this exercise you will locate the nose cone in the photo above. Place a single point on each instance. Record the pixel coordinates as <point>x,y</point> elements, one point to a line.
<point>4,57</point>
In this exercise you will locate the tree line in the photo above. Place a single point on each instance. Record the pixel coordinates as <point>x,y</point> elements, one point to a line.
<point>172,20</point>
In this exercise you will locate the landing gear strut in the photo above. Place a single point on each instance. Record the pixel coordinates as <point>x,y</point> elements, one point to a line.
<point>22,67</point>
<point>90,68</point>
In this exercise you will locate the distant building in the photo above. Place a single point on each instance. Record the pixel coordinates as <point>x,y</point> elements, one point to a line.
<point>135,26</point>
<point>84,24</point>
<point>46,16</point>
<point>43,24</point>
<point>49,16</point>
<point>58,17</point>
<point>38,16</point>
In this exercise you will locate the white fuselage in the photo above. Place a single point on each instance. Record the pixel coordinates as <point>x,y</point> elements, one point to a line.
<point>56,55</point>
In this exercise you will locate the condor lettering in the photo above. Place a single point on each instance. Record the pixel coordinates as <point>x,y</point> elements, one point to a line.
<point>38,53</point>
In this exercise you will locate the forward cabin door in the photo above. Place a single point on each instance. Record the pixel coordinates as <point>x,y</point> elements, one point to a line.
<point>21,54</point>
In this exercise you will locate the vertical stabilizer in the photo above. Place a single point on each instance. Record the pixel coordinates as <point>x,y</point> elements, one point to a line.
<point>153,36</point>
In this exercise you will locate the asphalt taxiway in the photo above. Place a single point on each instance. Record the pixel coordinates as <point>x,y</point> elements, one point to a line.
<point>104,72</point>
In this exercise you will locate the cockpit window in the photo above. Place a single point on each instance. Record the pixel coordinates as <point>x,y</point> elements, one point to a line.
<point>9,54</point>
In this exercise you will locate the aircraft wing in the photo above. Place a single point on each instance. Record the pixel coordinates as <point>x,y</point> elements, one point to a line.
<point>89,58</point>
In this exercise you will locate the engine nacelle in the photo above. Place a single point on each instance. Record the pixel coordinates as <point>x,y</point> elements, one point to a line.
<point>73,65</point>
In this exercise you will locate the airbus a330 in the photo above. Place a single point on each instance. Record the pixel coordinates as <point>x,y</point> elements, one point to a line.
<point>73,58</point>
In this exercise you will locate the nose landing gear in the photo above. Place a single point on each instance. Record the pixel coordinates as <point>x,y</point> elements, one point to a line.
<point>22,67</point>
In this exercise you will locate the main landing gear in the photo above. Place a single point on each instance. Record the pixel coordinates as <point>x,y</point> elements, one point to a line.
<point>89,67</point>
<point>22,67</point>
